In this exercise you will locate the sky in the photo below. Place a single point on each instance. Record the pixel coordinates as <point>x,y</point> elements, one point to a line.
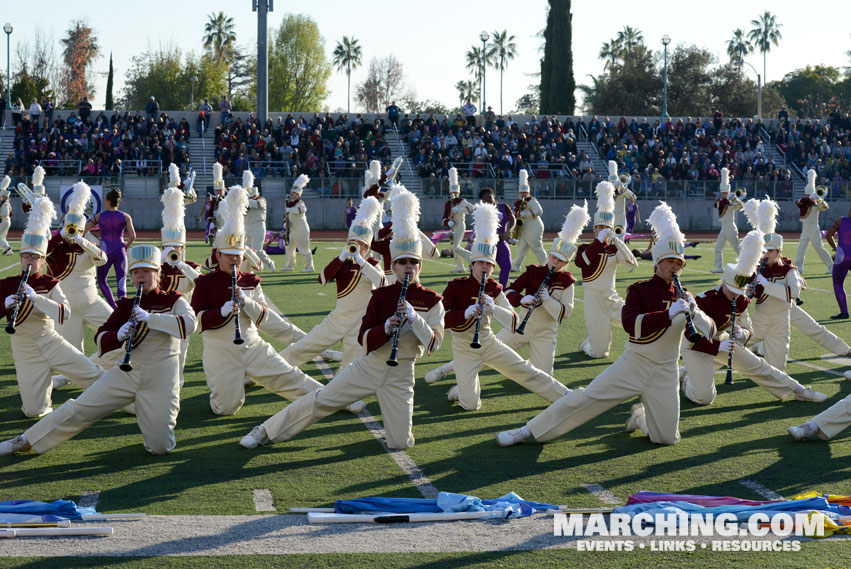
<point>431,39</point>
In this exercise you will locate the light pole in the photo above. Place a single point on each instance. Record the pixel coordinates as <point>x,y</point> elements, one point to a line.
<point>742,62</point>
<point>666,39</point>
<point>484,36</point>
<point>193,79</point>
<point>7,27</point>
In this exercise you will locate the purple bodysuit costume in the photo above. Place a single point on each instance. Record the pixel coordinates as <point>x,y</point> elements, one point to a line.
<point>842,263</point>
<point>503,253</point>
<point>112,224</point>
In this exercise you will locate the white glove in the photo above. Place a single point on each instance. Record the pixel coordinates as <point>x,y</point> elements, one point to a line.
<point>604,234</point>
<point>28,291</point>
<point>359,259</point>
<point>343,255</point>
<point>240,297</point>
<point>676,308</point>
<point>124,331</point>
<point>471,311</point>
<point>737,331</point>
<point>140,314</point>
<point>11,300</point>
<point>410,313</point>
<point>451,224</point>
<point>227,308</point>
<point>545,294</point>
<point>455,209</point>
<point>528,300</point>
<point>389,328</point>
<point>487,305</point>
<point>726,345</point>
<point>761,280</point>
<point>77,238</point>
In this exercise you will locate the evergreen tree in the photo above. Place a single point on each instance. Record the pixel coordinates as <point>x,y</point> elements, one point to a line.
<point>109,102</point>
<point>557,83</point>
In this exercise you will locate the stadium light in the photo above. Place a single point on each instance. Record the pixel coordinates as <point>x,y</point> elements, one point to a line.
<point>7,27</point>
<point>484,36</point>
<point>741,63</point>
<point>666,39</point>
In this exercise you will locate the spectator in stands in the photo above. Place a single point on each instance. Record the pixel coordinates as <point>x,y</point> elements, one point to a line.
<point>84,109</point>
<point>152,108</point>
<point>393,113</point>
<point>206,110</point>
<point>469,110</point>
<point>35,111</point>
<point>17,111</point>
<point>47,109</point>
<point>225,108</point>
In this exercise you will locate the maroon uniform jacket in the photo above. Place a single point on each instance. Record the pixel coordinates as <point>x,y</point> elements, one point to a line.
<point>717,306</point>
<point>42,284</point>
<point>62,256</point>
<point>775,271</point>
<point>155,301</point>
<point>346,274</point>
<point>382,306</point>
<point>722,204</point>
<point>212,291</point>
<point>645,313</point>
<point>447,209</point>
<point>170,275</point>
<point>530,281</point>
<point>597,255</point>
<point>460,293</point>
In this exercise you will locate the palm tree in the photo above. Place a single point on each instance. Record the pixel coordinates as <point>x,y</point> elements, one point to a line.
<point>739,46</point>
<point>219,35</point>
<point>629,38</point>
<point>501,51</point>
<point>610,51</point>
<point>766,31</point>
<point>475,66</point>
<point>347,56</point>
<point>466,90</point>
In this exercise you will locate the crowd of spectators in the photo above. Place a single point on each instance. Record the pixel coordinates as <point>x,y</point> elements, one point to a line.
<point>98,146</point>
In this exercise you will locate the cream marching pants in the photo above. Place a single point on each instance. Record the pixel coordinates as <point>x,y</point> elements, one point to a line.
<point>834,419</point>
<point>226,365</point>
<point>299,239</point>
<point>34,360</point>
<point>368,375</point>
<point>151,386</point>
<point>91,311</point>
<point>631,375</point>
<point>728,234</point>
<point>461,255</point>
<point>332,329</point>
<point>255,236</point>
<point>541,342</point>
<point>774,333</point>
<point>811,235</point>
<point>5,223</point>
<point>467,362</point>
<point>806,324</point>
<point>601,311</point>
<point>699,385</point>
<point>530,238</point>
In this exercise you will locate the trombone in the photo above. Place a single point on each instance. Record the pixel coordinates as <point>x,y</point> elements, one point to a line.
<point>26,194</point>
<point>393,172</point>
<point>818,195</point>
<point>738,195</point>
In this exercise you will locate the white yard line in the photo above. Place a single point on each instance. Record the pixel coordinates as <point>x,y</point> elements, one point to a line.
<point>841,360</point>
<point>10,267</point>
<point>760,489</point>
<point>603,495</point>
<point>89,498</point>
<point>263,500</point>
<point>816,367</point>
<point>408,466</point>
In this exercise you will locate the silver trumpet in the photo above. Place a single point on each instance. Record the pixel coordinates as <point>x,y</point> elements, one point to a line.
<point>26,194</point>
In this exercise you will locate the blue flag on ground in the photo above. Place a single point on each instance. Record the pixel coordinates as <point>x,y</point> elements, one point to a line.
<point>63,508</point>
<point>445,502</point>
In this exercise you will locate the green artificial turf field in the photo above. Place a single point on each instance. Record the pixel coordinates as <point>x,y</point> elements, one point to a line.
<point>741,437</point>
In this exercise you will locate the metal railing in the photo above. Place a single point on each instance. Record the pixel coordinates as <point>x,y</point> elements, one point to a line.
<point>270,168</point>
<point>61,167</point>
<point>141,167</point>
<point>546,170</point>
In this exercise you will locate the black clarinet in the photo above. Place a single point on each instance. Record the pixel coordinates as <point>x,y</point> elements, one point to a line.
<point>10,327</point>
<point>729,379</point>
<point>692,334</point>
<point>537,299</point>
<point>752,289</point>
<point>391,361</point>
<point>128,346</point>
<point>237,336</point>
<point>475,343</point>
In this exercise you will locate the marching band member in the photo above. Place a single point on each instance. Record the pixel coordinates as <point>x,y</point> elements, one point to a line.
<point>455,213</point>
<point>417,318</point>
<point>826,424</point>
<point>355,277</point>
<point>622,195</point>
<point>469,322</point>
<point>530,232</point>
<point>776,289</point>
<point>711,353</point>
<point>255,219</point>
<point>654,317</point>
<point>5,215</point>
<point>38,188</point>
<point>381,243</point>
<point>841,261</point>
<point>504,230</point>
<point>810,206</point>
<point>598,262</point>
<point>36,346</point>
<point>225,314</point>
<point>727,206</point>
<point>299,230</point>
<point>211,204</point>
<point>160,322</point>
<point>72,258</point>
<point>177,274</point>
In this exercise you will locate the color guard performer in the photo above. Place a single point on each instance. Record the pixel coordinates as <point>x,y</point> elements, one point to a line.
<point>654,316</point>
<point>810,206</point>
<point>826,424</point>
<point>707,355</point>
<point>72,258</point>
<point>469,306</point>
<point>622,195</point>
<point>455,214</point>
<point>506,219</point>
<point>727,205</point>
<point>355,277</point>
<point>530,228</point>
<point>36,346</point>
<point>255,219</point>
<point>405,324</point>
<point>160,322</point>
<point>299,230</point>
<point>841,261</point>
<point>598,262</point>
<point>5,215</point>
<point>226,314</point>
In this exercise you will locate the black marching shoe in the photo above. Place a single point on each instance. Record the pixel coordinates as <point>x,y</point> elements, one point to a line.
<point>840,316</point>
